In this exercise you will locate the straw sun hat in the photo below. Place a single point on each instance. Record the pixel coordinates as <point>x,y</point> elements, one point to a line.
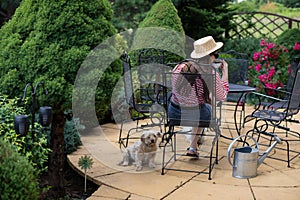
<point>205,46</point>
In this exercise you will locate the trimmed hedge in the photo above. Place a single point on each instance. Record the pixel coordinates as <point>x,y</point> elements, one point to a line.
<point>17,176</point>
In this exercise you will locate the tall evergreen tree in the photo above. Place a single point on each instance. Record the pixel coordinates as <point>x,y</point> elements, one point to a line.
<point>206,17</point>
<point>129,13</point>
<point>7,9</point>
<point>46,41</point>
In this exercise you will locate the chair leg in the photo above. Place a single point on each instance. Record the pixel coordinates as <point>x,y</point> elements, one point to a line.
<point>120,135</point>
<point>288,152</point>
<point>168,140</point>
<point>170,137</point>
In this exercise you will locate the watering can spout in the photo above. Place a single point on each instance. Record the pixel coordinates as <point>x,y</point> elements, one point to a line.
<point>266,153</point>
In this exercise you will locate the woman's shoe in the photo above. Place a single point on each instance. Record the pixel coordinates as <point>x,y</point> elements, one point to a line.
<point>192,152</point>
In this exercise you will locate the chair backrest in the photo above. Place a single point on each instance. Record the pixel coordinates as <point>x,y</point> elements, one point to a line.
<point>127,79</point>
<point>150,69</point>
<point>295,65</point>
<point>133,94</point>
<point>205,80</point>
<point>238,64</point>
<point>151,55</point>
<point>294,101</point>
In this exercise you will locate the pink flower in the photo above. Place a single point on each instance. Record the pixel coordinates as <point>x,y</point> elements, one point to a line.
<point>270,45</point>
<point>271,85</point>
<point>258,67</point>
<point>279,84</point>
<point>263,78</point>
<point>269,66</point>
<point>256,55</point>
<point>262,42</point>
<point>265,54</point>
<point>297,46</point>
<point>271,72</point>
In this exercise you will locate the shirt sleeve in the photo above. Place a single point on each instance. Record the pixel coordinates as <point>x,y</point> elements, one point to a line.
<point>222,88</point>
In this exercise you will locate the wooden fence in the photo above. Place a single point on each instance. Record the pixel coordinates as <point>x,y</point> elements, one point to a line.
<point>261,24</point>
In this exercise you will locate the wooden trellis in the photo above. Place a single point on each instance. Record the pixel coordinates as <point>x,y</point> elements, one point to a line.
<point>261,24</point>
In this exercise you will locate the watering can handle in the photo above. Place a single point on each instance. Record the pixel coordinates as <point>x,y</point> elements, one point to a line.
<point>231,145</point>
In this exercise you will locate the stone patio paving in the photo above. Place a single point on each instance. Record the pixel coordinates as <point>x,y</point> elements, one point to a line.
<point>274,179</point>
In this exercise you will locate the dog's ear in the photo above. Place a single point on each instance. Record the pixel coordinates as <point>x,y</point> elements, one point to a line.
<point>158,134</point>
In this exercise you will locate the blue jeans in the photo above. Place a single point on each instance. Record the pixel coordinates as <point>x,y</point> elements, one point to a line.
<point>198,116</point>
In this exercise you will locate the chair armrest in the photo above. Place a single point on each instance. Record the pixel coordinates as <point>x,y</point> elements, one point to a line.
<point>277,91</point>
<point>263,98</point>
<point>260,95</point>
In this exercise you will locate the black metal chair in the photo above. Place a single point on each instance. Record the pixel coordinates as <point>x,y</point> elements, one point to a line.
<point>140,108</point>
<point>238,64</point>
<point>207,75</point>
<point>295,65</point>
<point>268,120</point>
<point>282,93</point>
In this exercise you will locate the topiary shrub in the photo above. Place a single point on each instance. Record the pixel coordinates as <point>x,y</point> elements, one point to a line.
<point>47,42</point>
<point>17,176</point>
<point>153,31</point>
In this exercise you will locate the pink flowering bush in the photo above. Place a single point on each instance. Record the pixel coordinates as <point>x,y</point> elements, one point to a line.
<point>269,68</point>
<point>297,47</point>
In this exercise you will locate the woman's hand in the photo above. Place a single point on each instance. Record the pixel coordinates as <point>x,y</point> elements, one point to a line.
<point>224,68</point>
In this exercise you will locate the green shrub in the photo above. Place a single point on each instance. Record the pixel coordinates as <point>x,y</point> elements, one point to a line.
<point>288,38</point>
<point>33,145</point>
<point>165,31</point>
<point>17,176</point>
<point>71,136</point>
<point>47,41</point>
<point>247,45</point>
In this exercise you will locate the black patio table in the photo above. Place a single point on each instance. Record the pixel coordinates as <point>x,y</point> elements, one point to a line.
<point>243,90</point>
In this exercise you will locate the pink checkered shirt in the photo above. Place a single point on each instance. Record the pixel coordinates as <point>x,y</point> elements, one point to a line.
<point>192,99</point>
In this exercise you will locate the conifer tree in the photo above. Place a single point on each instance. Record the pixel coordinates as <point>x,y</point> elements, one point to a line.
<point>46,42</point>
<point>206,17</point>
<point>163,15</point>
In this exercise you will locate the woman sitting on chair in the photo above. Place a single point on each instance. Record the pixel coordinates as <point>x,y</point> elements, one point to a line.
<point>190,96</point>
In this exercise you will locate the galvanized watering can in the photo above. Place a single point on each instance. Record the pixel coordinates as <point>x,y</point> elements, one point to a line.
<point>245,159</point>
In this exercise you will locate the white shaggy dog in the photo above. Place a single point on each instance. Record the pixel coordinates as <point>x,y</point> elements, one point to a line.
<point>142,151</point>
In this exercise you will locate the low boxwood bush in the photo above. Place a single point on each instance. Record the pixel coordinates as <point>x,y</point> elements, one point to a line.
<point>71,135</point>
<point>18,179</point>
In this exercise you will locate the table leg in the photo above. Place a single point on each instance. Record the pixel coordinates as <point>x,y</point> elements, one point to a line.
<point>238,129</point>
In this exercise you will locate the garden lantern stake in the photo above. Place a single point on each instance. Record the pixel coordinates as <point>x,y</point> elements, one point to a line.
<point>21,122</point>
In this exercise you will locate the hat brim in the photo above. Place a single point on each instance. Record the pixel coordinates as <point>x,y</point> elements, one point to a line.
<point>198,55</point>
